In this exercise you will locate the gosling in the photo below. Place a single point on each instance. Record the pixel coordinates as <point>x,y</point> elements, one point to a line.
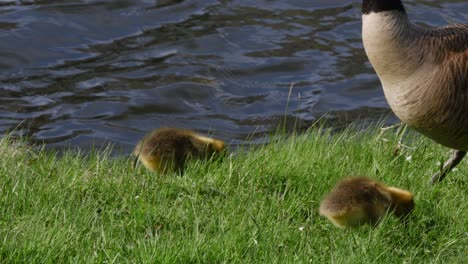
<point>167,149</point>
<point>357,201</point>
<point>424,74</point>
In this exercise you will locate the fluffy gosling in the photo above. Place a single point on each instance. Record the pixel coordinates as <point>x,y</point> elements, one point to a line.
<point>357,201</point>
<point>167,149</point>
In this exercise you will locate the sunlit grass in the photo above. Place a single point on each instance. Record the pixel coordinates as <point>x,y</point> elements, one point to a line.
<point>256,206</point>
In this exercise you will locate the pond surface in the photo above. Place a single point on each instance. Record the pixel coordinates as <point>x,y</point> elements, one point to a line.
<point>82,73</point>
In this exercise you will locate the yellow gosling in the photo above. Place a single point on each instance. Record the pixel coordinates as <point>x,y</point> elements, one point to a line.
<point>167,149</point>
<point>357,201</point>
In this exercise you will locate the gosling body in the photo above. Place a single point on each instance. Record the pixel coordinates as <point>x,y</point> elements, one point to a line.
<point>423,71</point>
<point>357,201</point>
<point>168,149</point>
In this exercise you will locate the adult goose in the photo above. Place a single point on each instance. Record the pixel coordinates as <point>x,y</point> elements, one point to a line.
<point>424,74</point>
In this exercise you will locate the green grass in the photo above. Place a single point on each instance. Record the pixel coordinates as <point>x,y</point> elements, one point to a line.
<point>257,206</point>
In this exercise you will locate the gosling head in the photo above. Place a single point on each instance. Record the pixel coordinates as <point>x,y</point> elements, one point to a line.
<point>402,201</point>
<point>207,147</point>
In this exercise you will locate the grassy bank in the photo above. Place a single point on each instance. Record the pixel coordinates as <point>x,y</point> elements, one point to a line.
<point>258,206</point>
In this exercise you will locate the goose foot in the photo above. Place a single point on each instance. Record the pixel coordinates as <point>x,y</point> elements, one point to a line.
<point>456,157</point>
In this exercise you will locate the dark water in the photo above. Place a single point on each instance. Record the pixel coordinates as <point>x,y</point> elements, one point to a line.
<point>90,72</point>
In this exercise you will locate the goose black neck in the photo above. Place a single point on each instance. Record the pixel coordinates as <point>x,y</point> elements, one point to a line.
<point>369,6</point>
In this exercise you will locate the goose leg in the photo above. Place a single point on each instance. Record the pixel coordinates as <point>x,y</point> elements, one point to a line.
<point>457,156</point>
